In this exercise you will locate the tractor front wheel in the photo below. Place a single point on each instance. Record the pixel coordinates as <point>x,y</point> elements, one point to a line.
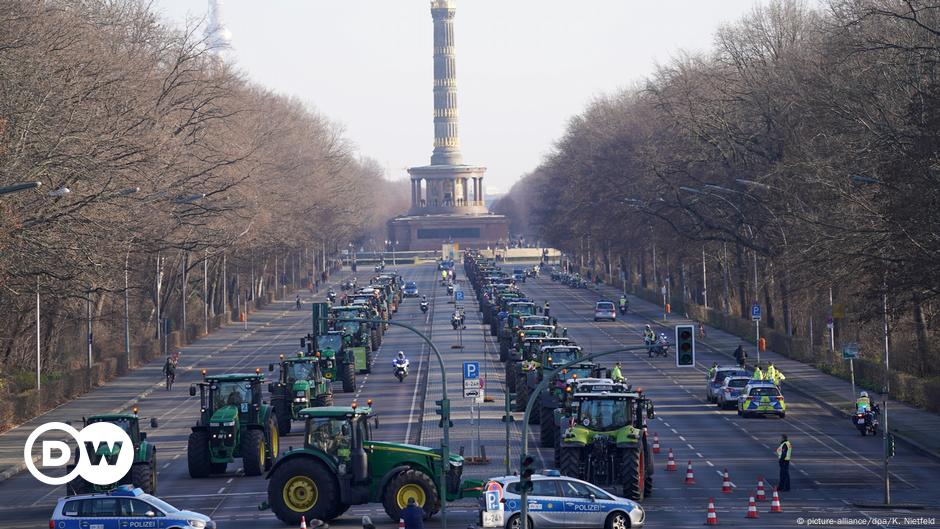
<point>325,400</point>
<point>273,444</point>
<point>253,452</point>
<point>303,487</point>
<point>522,392</point>
<point>283,413</point>
<point>633,473</point>
<point>197,454</point>
<point>411,484</point>
<point>349,377</point>
<point>570,462</point>
<point>144,475</point>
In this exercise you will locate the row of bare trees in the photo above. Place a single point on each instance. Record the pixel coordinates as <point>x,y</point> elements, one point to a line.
<point>160,160</point>
<point>803,148</point>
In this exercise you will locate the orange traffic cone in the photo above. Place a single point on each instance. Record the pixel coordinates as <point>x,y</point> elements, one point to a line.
<point>751,508</point>
<point>711,518</point>
<point>775,502</point>
<point>671,462</point>
<point>689,474</point>
<point>303,523</point>
<point>655,443</point>
<point>726,483</point>
<point>760,489</point>
<point>401,523</point>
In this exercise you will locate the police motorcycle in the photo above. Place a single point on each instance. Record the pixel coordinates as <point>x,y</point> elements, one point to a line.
<point>660,347</point>
<point>866,422</point>
<point>400,366</point>
<point>457,319</point>
<point>331,295</point>
<point>624,305</point>
<point>450,288</point>
<point>424,305</point>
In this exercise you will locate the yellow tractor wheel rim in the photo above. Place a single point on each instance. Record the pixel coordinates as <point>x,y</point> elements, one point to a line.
<point>274,442</point>
<point>300,494</point>
<point>410,490</point>
<point>262,452</point>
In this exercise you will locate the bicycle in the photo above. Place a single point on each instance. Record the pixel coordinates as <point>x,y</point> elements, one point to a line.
<point>170,378</point>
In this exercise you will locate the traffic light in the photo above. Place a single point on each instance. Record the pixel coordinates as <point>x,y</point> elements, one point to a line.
<point>443,409</point>
<point>525,475</point>
<point>890,447</point>
<point>685,345</point>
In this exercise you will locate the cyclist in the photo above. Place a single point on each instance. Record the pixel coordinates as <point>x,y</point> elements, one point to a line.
<point>169,370</point>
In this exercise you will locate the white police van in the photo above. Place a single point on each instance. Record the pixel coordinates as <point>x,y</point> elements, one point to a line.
<point>123,508</point>
<point>562,501</point>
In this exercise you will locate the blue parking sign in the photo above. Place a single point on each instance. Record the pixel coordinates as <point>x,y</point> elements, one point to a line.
<point>458,296</point>
<point>471,370</point>
<point>755,312</point>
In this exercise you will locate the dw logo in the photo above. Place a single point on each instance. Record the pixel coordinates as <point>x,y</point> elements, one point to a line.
<point>102,438</point>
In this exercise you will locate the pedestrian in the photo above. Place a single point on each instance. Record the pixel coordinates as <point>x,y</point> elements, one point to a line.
<point>412,515</point>
<point>784,453</point>
<point>701,330</point>
<point>740,356</point>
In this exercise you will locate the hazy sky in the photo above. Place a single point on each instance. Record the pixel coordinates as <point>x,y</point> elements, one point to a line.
<point>524,67</point>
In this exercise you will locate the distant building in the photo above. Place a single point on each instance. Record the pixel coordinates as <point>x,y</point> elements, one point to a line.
<point>448,203</point>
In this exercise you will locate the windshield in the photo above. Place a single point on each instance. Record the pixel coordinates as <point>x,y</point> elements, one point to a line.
<point>563,356</point>
<point>330,341</point>
<point>329,434</point>
<point>411,284</point>
<point>526,310</point>
<point>299,370</point>
<point>604,306</point>
<point>231,393</point>
<point>737,382</point>
<point>349,327</point>
<point>604,414</point>
<point>160,504</point>
<point>764,392</point>
<point>581,372</point>
<point>125,424</point>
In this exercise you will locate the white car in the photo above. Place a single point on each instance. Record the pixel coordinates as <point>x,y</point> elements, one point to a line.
<point>605,310</point>
<point>562,501</point>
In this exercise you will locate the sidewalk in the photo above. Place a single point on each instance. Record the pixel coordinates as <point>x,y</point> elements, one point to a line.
<point>122,392</point>
<point>917,427</point>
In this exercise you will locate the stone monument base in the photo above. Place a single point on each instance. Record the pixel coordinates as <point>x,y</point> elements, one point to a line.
<point>429,232</point>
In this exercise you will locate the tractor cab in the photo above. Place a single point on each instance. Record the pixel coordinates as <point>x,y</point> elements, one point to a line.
<point>552,355</point>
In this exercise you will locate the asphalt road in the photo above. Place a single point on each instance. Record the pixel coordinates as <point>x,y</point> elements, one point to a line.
<point>833,466</point>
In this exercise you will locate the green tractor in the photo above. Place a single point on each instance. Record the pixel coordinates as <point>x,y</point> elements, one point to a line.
<point>337,361</point>
<point>532,371</point>
<point>143,473</point>
<point>301,384</point>
<point>605,438</point>
<point>234,422</point>
<point>555,396</point>
<point>358,336</point>
<point>516,311</point>
<point>341,465</point>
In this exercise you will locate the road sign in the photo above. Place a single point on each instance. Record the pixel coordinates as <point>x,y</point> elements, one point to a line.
<point>471,370</point>
<point>472,383</point>
<point>849,351</point>
<point>755,312</point>
<point>493,515</point>
<point>458,295</point>
<point>469,393</point>
<point>663,290</point>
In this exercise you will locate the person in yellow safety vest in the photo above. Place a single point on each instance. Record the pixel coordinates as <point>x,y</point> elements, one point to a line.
<point>784,453</point>
<point>712,370</point>
<point>775,374</point>
<point>615,373</point>
<point>758,373</point>
<point>863,403</point>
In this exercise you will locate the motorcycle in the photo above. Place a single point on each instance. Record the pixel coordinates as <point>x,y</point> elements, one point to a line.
<point>456,321</point>
<point>450,289</point>
<point>401,371</point>
<point>331,295</point>
<point>424,307</point>
<point>623,308</point>
<point>658,349</point>
<point>866,422</point>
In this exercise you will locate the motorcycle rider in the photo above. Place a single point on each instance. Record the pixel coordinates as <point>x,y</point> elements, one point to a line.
<point>623,303</point>
<point>401,361</point>
<point>863,403</point>
<point>546,309</point>
<point>649,337</point>
<point>615,374</point>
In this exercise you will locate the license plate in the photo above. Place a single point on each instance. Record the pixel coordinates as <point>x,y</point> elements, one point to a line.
<point>861,421</point>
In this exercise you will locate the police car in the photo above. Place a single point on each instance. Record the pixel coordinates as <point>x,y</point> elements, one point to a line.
<point>761,397</point>
<point>605,310</point>
<point>411,290</point>
<point>562,501</point>
<point>124,507</point>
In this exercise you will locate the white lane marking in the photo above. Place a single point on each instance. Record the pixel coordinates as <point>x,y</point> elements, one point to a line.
<point>414,395</point>
<point>165,465</point>
<point>674,431</point>
<point>221,490</point>
<point>699,454</point>
<point>176,456</point>
<point>709,463</point>
<point>690,446</point>
<point>666,424</point>
<point>682,438</point>
<point>229,480</point>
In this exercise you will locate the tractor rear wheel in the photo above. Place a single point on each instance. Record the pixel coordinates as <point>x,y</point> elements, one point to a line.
<point>633,473</point>
<point>77,485</point>
<point>349,377</point>
<point>411,484</point>
<point>197,454</point>
<point>144,475</point>
<point>369,355</point>
<point>547,427</point>
<point>510,377</point>
<point>274,442</point>
<point>325,400</point>
<point>570,462</point>
<point>253,452</point>
<point>303,487</point>
<point>283,413</point>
